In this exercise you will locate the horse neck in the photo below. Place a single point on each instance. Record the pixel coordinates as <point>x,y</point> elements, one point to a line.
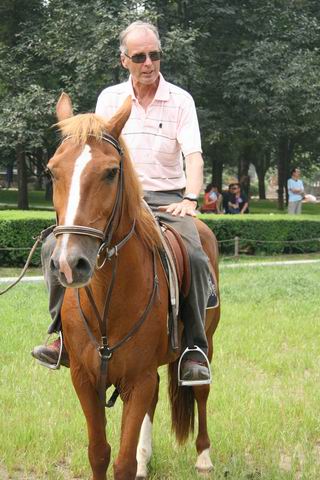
<point>133,281</point>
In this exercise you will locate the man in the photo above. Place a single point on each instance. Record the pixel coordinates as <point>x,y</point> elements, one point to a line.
<point>162,126</point>
<point>295,192</point>
<point>234,201</point>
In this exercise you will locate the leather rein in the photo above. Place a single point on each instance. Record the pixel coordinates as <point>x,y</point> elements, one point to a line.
<point>111,254</point>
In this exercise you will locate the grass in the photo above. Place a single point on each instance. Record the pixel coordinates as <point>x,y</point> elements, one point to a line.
<point>263,409</point>
<point>8,198</point>
<point>36,198</point>
<point>270,206</point>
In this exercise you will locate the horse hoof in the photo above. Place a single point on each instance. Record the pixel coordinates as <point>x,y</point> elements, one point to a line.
<point>204,464</point>
<point>204,473</point>
<point>141,478</point>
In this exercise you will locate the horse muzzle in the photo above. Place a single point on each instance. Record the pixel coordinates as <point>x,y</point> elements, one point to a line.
<point>73,263</point>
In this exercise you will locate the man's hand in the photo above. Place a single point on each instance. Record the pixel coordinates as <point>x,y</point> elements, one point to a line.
<point>186,207</point>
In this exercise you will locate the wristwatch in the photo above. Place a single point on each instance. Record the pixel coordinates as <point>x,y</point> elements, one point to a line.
<point>191,196</point>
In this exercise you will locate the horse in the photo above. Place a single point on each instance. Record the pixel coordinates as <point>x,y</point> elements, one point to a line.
<point>115,310</point>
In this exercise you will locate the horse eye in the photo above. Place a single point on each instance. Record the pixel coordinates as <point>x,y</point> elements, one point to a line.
<point>111,173</point>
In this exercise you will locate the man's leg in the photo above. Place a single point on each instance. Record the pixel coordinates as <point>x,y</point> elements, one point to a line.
<point>50,353</point>
<point>298,207</point>
<point>194,306</point>
<point>291,208</point>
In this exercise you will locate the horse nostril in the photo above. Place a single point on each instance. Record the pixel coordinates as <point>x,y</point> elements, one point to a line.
<point>83,266</point>
<point>54,265</point>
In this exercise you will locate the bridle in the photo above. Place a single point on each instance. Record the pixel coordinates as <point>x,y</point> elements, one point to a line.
<point>111,254</point>
<point>114,219</point>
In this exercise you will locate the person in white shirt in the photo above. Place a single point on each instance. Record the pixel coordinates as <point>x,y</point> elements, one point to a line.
<point>295,192</point>
<point>162,128</point>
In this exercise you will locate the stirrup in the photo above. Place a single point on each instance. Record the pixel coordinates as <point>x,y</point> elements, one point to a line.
<point>192,383</point>
<point>50,365</point>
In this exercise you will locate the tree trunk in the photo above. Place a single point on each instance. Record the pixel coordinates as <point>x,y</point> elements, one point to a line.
<point>48,194</point>
<point>244,161</point>
<point>262,164</point>
<point>23,202</point>
<point>217,170</point>
<point>261,183</point>
<point>9,175</point>
<point>285,152</point>
<point>39,168</point>
<point>282,170</point>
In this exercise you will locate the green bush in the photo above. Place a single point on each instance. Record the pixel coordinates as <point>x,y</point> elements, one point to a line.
<point>17,231</point>
<point>266,234</point>
<point>258,234</point>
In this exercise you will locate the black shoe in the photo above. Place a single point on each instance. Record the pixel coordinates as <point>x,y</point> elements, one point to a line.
<point>50,354</point>
<point>195,371</point>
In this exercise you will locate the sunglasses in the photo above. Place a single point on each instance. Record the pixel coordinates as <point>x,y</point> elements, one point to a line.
<point>142,57</point>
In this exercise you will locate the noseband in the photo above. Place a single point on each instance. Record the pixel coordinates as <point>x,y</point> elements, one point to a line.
<point>106,235</point>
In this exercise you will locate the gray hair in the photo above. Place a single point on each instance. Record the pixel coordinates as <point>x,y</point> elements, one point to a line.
<point>134,26</point>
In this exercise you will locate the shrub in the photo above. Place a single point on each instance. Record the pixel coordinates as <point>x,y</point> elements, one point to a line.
<point>18,230</point>
<point>263,234</point>
<point>267,234</point>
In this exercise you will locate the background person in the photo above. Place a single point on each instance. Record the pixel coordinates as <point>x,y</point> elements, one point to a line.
<point>295,192</point>
<point>212,200</point>
<point>235,201</point>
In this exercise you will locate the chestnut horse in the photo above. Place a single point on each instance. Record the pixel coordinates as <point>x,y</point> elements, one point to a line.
<point>97,198</point>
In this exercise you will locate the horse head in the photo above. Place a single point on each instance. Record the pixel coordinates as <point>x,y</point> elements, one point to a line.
<point>86,176</point>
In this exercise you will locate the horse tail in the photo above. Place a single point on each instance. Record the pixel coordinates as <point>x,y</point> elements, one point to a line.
<point>182,405</point>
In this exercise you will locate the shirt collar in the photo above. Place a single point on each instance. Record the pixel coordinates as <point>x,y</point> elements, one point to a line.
<point>162,93</point>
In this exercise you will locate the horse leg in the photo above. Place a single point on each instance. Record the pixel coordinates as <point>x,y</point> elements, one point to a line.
<point>98,449</point>
<point>136,405</point>
<point>203,464</point>
<point>144,449</point>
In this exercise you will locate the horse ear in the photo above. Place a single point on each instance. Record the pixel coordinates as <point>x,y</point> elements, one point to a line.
<point>119,119</point>
<point>64,107</point>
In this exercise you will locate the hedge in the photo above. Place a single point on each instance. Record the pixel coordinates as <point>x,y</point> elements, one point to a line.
<point>263,234</point>
<point>266,234</point>
<point>17,230</point>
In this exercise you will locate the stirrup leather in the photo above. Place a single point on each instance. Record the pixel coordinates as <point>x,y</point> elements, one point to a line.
<point>50,365</point>
<point>192,383</point>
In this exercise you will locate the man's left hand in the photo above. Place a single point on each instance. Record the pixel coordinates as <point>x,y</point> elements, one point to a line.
<point>186,207</point>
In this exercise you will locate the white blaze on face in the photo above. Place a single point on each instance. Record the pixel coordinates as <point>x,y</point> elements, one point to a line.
<point>72,207</point>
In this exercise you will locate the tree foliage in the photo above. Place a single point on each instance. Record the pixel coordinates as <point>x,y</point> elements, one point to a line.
<point>253,68</point>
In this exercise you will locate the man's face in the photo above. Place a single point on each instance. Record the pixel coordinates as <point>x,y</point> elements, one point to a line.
<point>142,41</point>
<point>296,174</point>
<point>235,189</point>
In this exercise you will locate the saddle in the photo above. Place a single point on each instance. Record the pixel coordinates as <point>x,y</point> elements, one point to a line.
<point>176,264</point>
<point>180,257</point>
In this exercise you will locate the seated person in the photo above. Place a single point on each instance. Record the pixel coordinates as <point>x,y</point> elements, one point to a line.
<point>233,204</point>
<point>234,201</point>
<point>211,200</point>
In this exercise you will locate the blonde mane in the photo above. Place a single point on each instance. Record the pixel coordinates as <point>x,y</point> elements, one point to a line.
<point>84,127</point>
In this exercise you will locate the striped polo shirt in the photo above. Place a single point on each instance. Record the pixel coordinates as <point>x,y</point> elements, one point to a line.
<point>158,136</point>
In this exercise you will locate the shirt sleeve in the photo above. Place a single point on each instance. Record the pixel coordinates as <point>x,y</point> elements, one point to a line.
<point>289,184</point>
<point>188,132</point>
<point>104,106</point>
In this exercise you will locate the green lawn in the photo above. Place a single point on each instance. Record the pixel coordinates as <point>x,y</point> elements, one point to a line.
<point>270,206</point>
<point>263,410</point>
<point>37,200</point>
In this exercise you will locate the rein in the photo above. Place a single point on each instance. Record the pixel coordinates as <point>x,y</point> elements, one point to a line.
<point>104,349</point>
